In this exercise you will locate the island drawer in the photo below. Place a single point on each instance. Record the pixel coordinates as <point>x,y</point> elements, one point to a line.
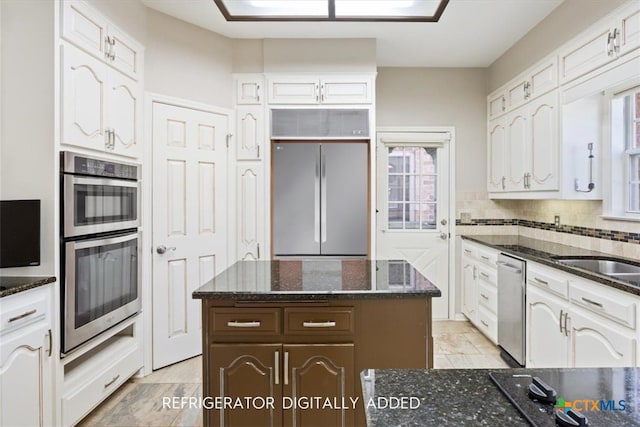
<point>319,321</point>
<point>245,321</point>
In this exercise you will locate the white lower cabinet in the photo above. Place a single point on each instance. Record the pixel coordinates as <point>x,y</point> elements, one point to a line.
<point>595,326</point>
<point>25,359</point>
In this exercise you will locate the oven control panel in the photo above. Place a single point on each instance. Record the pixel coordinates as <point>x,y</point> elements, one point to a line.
<point>82,165</point>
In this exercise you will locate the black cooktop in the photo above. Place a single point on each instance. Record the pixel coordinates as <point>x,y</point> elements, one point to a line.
<point>605,397</point>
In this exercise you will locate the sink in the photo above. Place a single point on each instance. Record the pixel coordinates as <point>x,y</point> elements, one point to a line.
<point>619,269</point>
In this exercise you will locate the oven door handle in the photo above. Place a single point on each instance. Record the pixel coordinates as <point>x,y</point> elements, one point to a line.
<point>91,243</point>
<point>109,182</point>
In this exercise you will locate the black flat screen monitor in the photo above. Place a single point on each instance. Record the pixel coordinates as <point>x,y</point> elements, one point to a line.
<point>19,233</point>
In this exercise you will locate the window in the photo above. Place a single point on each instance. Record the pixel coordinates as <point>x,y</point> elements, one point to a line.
<point>625,154</point>
<point>412,188</point>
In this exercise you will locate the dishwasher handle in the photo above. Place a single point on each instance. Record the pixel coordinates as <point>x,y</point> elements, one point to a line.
<point>509,267</point>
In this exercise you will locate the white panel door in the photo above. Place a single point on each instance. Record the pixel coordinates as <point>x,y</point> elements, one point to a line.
<point>516,142</point>
<point>543,163</point>
<point>189,223</point>
<point>84,99</point>
<point>413,206</point>
<point>547,340</point>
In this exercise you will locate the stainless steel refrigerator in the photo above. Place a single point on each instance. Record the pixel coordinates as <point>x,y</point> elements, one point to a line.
<point>320,198</point>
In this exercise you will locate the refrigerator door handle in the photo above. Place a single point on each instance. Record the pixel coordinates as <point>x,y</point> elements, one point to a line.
<point>316,201</point>
<point>323,198</point>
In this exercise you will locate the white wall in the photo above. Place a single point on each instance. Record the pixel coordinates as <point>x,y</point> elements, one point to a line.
<point>319,55</point>
<point>440,97</point>
<point>248,55</point>
<point>27,161</point>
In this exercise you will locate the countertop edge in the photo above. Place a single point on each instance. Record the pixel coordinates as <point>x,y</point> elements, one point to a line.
<point>313,296</point>
<point>31,283</point>
<point>604,280</point>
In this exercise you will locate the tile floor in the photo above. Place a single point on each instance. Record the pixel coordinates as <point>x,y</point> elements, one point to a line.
<point>457,345</point>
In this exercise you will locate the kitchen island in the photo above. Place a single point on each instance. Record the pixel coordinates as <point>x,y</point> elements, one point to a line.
<point>481,397</point>
<point>284,341</point>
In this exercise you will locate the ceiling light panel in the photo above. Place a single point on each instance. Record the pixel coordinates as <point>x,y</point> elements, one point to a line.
<point>332,10</point>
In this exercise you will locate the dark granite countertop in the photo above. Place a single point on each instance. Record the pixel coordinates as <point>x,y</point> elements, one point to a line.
<point>461,397</point>
<point>317,280</point>
<point>10,285</point>
<point>544,252</point>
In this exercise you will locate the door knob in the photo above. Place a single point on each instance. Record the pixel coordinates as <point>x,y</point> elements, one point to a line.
<point>443,222</point>
<point>444,236</point>
<point>162,249</point>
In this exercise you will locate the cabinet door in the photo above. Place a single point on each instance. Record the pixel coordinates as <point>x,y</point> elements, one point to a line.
<point>24,381</point>
<point>126,53</point>
<point>246,370</point>
<point>84,27</point>
<point>248,91</point>
<point>516,143</point>
<point>294,91</point>
<point>547,342</point>
<point>543,78</point>
<point>250,133</point>
<point>322,370</point>
<point>596,343</point>
<point>628,24</point>
<point>469,300</point>
<point>497,147</point>
<point>84,111</point>
<point>586,53</point>
<point>125,114</point>
<point>346,90</point>
<point>250,211</point>
<point>496,104</point>
<point>517,94</point>
<point>543,150</point>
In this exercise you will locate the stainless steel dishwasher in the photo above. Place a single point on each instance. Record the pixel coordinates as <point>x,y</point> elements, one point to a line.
<point>511,309</point>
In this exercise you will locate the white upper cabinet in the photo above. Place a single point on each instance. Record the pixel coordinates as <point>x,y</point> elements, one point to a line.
<point>102,108</point>
<point>496,173</point>
<point>249,90</point>
<point>606,41</point>
<point>328,90</point>
<point>543,165</point>
<point>92,32</point>
<point>496,104</point>
<point>517,134</point>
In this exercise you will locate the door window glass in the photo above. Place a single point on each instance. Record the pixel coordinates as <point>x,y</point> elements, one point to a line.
<point>412,188</point>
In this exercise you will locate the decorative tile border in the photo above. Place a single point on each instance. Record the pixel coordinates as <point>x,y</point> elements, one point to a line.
<point>618,236</point>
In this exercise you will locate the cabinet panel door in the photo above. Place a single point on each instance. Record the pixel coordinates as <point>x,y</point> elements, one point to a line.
<point>84,82</point>
<point>497,147</point>
<point>248,91</point>
<point>24,386</point>
<point>586,53</point>
<point>496,105</point>
<point>250,131</point>
<point>629,28</point>
<point>342,90</point>
<point>250,211</point>
<point>469,288</point>
<point>84,27</point>
<point>246,370</point>
<point>322,370</point>
<point>547,345</point>
<point>127,53</point>
<point>294,91</point>
<point>516,94</point>
<point>125,114</point>
<point>543,165</point>
<point>516,142</point>
<point>544,78</point>
<point>596,344</point>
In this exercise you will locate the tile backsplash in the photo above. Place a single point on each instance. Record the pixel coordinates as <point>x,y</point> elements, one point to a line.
<point>581,223</point>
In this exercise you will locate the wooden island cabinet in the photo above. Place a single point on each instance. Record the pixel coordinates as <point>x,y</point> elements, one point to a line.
<point>289,351</point>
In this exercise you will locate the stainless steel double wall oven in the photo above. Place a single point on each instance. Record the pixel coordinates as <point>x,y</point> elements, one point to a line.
<point>100,245</point>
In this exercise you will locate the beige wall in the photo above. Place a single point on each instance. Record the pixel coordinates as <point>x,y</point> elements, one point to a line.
<point>129,15</point>
<point>565,22</point>
<point>440,97</point>
<point>248,56</point>
<point>319,55</point>
<point>27,167</point>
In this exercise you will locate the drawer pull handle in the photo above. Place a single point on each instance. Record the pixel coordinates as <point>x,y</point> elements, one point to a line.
<point>276,364</point>
<point>286,368</point>
<point>484,296</point>
<point>485,275</point>
<point>251,324</point>
<point>467,251</point>
<point>113,380</point>
<point>596,303</point>
<point>486,258</point>
<point>484,323</point>
<point>329,324</point>
<point>539,280</point>
<point>23,315</point>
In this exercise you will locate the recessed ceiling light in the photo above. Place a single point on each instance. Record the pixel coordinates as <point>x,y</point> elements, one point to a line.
<point>332,10</point>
